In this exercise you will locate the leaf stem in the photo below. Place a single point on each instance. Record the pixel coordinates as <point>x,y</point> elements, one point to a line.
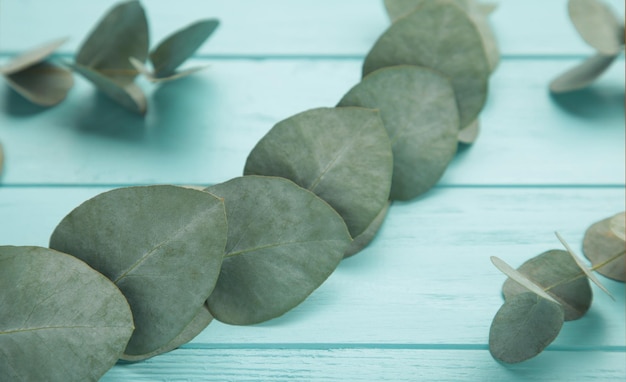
<point>582,274</point>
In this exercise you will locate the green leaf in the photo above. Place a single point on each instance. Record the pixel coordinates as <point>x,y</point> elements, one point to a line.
<point>581,75</point>
<point>558,274</point>
<point>524,326</point>
<point>60,320</point>
<point>44,83</point>
<point>343,155</point>
<point>122,33</point>
<point>598,25</point>
<point>618,225</point>
<point>605,250</point>
<point>178,47</point>
<point>469,133</point>
<point>128,95</point>
<point>431,37</point>
<point>521,279</point>
<point>161,245</point>
<point>418,110</point>
<point>283,242</point>
<point>363,240</point>
<point>31,57</point>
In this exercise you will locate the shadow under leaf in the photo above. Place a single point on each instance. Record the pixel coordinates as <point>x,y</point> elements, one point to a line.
<point>106,118</point>
<point>18,106</point>
<point>594,102</point>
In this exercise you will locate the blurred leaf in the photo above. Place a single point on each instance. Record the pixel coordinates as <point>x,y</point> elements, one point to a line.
<point>44,83</point>
<point>581,75</point>
<point>178,47</point>
<point>143,69</point>
<point>283,242</point>
<point>469,133</point>
<point>31,57</point>
<point>558,274</point>
<point>618,225</point>
<point>431,37</point>
<point>521,279</point>
<point>60,320</point>
<point>419,111</point>
<point>524,326</point>
<point>605,250</point>
<point>487,8</point>
<point>161,245</point>
<point>363,240</point>
<point>343,155</point>
<point>128,95</point>
<point>598,25</point>
<point>122,33</point>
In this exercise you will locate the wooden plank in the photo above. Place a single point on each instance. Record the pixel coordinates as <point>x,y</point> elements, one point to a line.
<point>283,27</point>
<point>368,364</point>
<point>201,129</point>
<point>426,279</point>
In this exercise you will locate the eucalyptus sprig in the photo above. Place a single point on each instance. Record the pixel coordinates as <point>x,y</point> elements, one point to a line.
<point>551,288</point>
<point>316,189</point>
<point>598,25</point>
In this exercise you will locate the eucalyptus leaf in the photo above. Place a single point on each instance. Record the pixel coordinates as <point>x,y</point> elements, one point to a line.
<point>31,57</point>
<point>283,242</point>
<point>558,274</point>
<point>524,326</point>
<point>364,239</point>
<point>143,69</point>
<point>598,25</point>
<point>469,133</point>
<point>618,225</point>
<point>44,83</point>
<point>521,279</point>
<point>418,109</point>
<point>605,250</point>
<point>583,266</point>
<point>343,155</point>
<point>195,327</point>
<point>60,320</point>
<point>128,94</point>
<point>487,8</point>
<point>161,245</point>
<point>178,47</point>
<point>581,75</point>
<point>122,33</point>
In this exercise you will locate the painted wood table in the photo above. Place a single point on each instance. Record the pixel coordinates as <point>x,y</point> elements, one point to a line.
<point>418,302</point>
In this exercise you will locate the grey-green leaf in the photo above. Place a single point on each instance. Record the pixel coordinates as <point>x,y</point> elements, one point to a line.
<point>598,25</point>
<point>129,95</point>
<point>343,155</point>
<point>364,239</point>
<point>44,83</point>
<point>618,225</point>
<point>283,242</point>
<point>469,133</point>
<point>31,57</point>
<point>161,245</point>
<point>581,75</point>
<point>524,326</point>
<point>418,109</point>
<point>122,33</point>
<point>178,47</point>
<point>521,279</point>
<point>60,320</point>
<point>605,250</point>
<point>143,69</point>
<point>431,37</point>
<point>558,274</point>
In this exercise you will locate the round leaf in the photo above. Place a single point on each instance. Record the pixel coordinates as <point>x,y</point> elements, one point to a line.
<point>283,242</point>
<point>441,36</point>
<point>559,275</point>
<point>469,133</point>
<point>178,47</point>
<point>618,225</point>
<point>60,320</point>
<point>31,57</point>
<point>161,245</point>
<point>44,84</point>
<point>602,246</point>
<point>129,95</point>
<point>523,327</point>
<point>597,25</point>
<point>419,112</point>
<point>581,75</point>
<point>363,240</point>
<point>343,155</point>
<point>122,33</point>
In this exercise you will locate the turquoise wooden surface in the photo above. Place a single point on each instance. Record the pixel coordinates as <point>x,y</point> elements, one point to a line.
<point>415,305</point>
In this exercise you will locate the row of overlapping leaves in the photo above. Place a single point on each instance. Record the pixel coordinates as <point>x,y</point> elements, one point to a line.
<point>138,271</point>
